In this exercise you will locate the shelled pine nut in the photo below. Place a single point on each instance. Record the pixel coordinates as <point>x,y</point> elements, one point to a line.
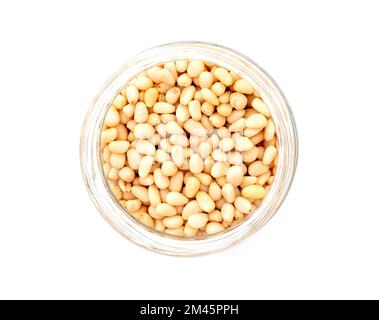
<point>189,148</point>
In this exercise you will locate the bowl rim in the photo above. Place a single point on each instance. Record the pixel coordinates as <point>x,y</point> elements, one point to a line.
<point>108,205</point>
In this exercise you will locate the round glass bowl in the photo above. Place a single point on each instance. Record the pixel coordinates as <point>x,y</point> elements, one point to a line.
<point>160,242</point>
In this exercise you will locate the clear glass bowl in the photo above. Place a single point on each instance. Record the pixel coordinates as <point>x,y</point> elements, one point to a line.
<point>142,235</point>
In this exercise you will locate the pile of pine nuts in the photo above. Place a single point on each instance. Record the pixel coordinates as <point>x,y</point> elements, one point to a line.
<point>189,148</point>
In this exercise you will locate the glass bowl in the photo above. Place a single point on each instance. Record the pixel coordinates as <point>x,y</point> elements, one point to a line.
<point>160,242</point>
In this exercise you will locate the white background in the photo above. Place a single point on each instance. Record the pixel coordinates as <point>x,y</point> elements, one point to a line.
<point>323,243</point>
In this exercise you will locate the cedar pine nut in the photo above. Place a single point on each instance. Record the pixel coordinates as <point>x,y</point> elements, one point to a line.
<point>235,175</point>
<point>173,222</point>
<point>242,86</point>
<point>205,202</point>
<point>133,205</point>
<point>172,95</point>
<point>189,231</point>
<point>194,108</point>
<point>140,113</point>
<point>145,166</point>
<point>194,128</point>
<point>118,146</point>
<point>254,192</point>
<point>145,147</point>
<point>238,100</point>
<point>184,138</point>
<point>227,212</point>
<point>109,135</point>
<point>215,216</point>
<point>132,94</point>
<point>205,79</point>
<point>161,181</point>
<point>195,67</point>
<point>140,193</point>
<point>196,164</point>
<point>117,160</point>
<point>257,168</point>
<point>192,187</point>
<point>190,208</point>
<point>184,80</point>
<point>214,227</point>
<point>112,118</point>
<point>176,199</point>
<point>165,210</point>
<point>143,83</point>
<point>166,77</point>
<point>224,76</point>
<point>269,155</point>
<point>209,96</point>
<point>197,220</point>
<point>163,107</point>
<point>256,121</point>
<point>151,97</point>
<point>225,109</point>
<point>261,107</point>
<point>215,191</point>
<point>228,192</point>
<point>176,182</point>
<point>243,144</point>
<point>187,95</point>
<point>143,131</point>
<point>119,102</point>
<point>169,168</point>
<point>218,169</point>
<point>238,125</point>
<point>154,195</point>
<point>181,65</point>
<point>243,205</point>
<point>218,89</point>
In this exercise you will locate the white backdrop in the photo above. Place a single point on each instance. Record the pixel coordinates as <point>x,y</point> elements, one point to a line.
<point>323,243</point>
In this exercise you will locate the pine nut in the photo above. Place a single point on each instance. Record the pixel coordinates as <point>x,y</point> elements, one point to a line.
<point>224,76</point>
<point>197,220</point>
<point>227,212</point>
<point>163,107</point>
<point>269,155</point>
<point>214,227</point>
<point>254,192</point>
<point>173,222</point>
<point>257,168</point>
<point>242,86</point>
<point>176,199</point>
<point>209,96</point>
<point>118,146</point>
<point>228,192</point>
<point>187,95</point>
<point>165,210</point>
<point>235,175</point>
<point>133,205</point>
<point>256,121</point>
<point>205,201</point>
<point>161,181</point>
<point>189,231</point>
<point>143,131</point>
<point>195,67</point>
<point>192,187</point>
<point>132,94</point>
<point>145,166</point>
<point>194,108</point>
<point>205,79</point>
<point>243,205</point>
<point>261,107</point>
